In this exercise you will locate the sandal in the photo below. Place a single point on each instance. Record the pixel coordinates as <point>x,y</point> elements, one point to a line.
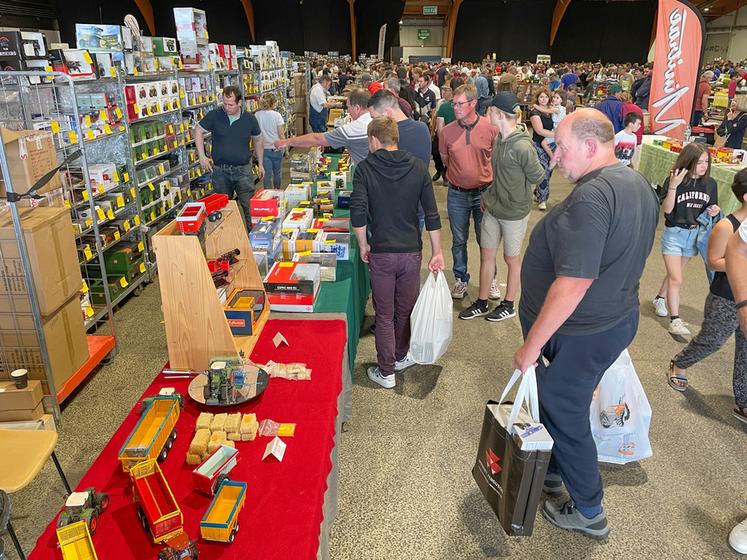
<point>740,414</point>
<point>677,381</point>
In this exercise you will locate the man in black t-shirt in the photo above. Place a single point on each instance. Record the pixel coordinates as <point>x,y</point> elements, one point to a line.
<point>579,304</point>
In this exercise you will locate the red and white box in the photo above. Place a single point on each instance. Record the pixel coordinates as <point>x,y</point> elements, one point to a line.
<point>293,286</point>
<point>267,202</point>
<point>299,218</point>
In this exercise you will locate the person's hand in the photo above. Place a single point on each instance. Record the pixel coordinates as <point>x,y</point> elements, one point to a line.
<point>282,143</point>
<point>261,172</point>
<point>364,251</point>
<point>436,263</point>
<point>676,177</point>
<point>526,357</point>
<point>713,210</point>
<point>206,163</point>
<point>731,115</point>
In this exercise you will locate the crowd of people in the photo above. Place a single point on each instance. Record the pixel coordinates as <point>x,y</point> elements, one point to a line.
<point>579,275</point>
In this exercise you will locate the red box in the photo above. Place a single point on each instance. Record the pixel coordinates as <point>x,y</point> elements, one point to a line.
<point>267,202</point>
<point>191,217</point>
<point>293,278</point>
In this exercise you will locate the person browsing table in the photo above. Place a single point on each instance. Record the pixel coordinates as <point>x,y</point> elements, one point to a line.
<point>232,128</point>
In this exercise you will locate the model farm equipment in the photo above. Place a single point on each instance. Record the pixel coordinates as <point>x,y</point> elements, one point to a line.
<point>158,511</point>
<point>209,475</point>
<point>221,520</point>
<point>224,376</point>
<point>75,542</point>
<point>84,506</point>
<point>220,268</point>
<point>155,432</point>
<point>192,216</point>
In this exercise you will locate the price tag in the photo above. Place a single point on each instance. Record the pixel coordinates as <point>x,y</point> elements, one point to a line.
<point>287,230</point>
<point>133,192</point>
<point>189,192</point>
<point>89,311</point>
<point>330,241</point>
<point>142,268</point>
<point>134,71</point>
<point>85,196</point>
<point>116,177</point>
<point>68,205</point>
<point>323,220</point>
<point>304,253</point>
<point>87,253</point>
<point>266,218</point>
<point>87,120</point>
<point>118,111</point>
<point>199,172</point>
<point>100,214</point>
<point>107,128</point>
<point>143,155</point>
<point>147,110</point>
<point>89,134</point>
<point>126,225</point>
<point>285,264</point>
<point>103,115</point>
<point>160,169</point>
<point>110,214</point>
<point>152,187</point>
<point>181,93</point>
<point>181,127</point>
<point>178,104</point>
<point>152,215</point>
<point>155,152</point>
<point>312,230</point>
<point>89,222</point>
<point>126,179</point>
<point>155,64</point>
<point>136,219</point>
<point>174,145</point>
<point>84,288</point>
<point>100,189</point>
<point>116,235</point>
<point>123,282</point>
<point>136,107</point>
<point>48,68</point>
<point>113,72</point>
<point>120,201</point>
<point>180,63</point>
<point>121,128</point>
<point>87,57</point>
<point>140,247</point>
<point>55,126</point>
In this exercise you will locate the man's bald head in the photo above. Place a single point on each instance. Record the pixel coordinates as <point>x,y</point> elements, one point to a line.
<point>585,141</point>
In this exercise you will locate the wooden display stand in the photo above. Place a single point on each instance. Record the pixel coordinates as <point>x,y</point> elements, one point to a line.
<point>196,326</point>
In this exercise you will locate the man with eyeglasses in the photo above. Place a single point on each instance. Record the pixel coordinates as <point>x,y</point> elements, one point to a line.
<point>466,146</point>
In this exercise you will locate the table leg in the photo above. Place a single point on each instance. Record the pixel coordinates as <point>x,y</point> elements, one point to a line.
<point>62,474</point>
<point>13,537</point>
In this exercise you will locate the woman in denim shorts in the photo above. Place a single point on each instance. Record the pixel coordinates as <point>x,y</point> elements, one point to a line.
<point>689,191</point>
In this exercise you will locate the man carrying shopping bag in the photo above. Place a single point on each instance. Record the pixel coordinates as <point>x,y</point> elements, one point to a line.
<point>579,304</point>
<point>387,188</point>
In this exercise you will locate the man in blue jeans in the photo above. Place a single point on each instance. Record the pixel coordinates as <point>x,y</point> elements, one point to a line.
<point>231,161</point>
<point>579,304</point>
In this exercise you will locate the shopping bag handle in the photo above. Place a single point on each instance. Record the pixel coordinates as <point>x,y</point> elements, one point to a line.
<point>526,392</point>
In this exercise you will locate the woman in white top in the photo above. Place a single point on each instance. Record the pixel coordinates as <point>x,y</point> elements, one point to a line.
<point>273,128</point>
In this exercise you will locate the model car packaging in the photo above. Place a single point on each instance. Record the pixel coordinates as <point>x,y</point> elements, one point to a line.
<point>325,189</point>
<point>267,202</point>
<point>343,199</point>
<point>292,286</point>
<point>296,193</point>
<point>299,218</point>
<point>264,233</point>
<point>333,242</point>
<point>337,225</point>
<point>241,309</point>
<point>31,154</point>
<point>327,263</point>
<point>98,36</point>
<point>299,241</point>
<point>21,404</point>
<point>77,63</point>
<point>164,46</point>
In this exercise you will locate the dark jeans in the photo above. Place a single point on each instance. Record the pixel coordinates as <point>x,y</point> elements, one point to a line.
<point>395,285</point>
<point>236,180</point>
<point>460,206</point>
<point>273,160</point>
<point>697,117</point>
<point>318,119</point>
<point>565,387</point>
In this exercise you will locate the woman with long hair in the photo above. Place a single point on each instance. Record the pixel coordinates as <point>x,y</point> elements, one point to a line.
<point>689,191</point>
<point>540,117</point>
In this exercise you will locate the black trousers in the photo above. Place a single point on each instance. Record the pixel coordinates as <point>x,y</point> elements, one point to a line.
<point>437,156</point>
<point>565,387</point>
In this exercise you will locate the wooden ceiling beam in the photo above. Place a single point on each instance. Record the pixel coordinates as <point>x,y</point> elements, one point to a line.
<point>557,16</point>
<point>353,27</point>
<point>453,16</point>
<point>249,11</point>
<point>146,8</point>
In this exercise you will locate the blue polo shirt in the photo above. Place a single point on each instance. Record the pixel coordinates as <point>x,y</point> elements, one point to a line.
<point>231,139</point>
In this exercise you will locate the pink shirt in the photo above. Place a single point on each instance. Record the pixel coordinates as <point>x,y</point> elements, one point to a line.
<point>469,165</point>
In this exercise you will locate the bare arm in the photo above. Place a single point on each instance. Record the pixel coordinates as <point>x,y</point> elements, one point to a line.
<point>539,129</point>
<point>259,153</point>
<point>675,180</point>
<point>363,247</point>
<point>205,161</point>
<point>717,242</point>
<point>736,271</point>
<point>306,141</point>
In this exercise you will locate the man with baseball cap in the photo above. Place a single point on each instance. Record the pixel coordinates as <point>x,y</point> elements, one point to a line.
<point>505,205</point>
<point>612,107</point>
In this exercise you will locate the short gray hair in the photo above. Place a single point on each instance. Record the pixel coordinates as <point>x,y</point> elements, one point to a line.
<point>592,123</point>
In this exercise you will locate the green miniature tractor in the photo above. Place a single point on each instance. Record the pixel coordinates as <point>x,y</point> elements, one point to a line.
<point>84,506</point>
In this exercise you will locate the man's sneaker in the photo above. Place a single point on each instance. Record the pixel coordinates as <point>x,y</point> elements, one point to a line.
<point>495,293</point>
<point>437,176</point>
<point>660,306</point>
<point>542,206</point>
<point>474,310</point>
<point>459,290</point>
<point>553,485</point>
<point>375,375</point>
<point>501,312</point>
<point>678,327</point>
<point>404,363</point>
<point>566,516</point>
<point>738,537</point>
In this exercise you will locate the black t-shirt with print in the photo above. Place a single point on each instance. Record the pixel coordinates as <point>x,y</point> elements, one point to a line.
<point>692,198</point>
<point>546,124</point>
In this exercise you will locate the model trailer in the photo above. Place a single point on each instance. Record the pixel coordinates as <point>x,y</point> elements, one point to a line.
<point>75,542</point>
<point>221,520</point>
<point>214,470</point>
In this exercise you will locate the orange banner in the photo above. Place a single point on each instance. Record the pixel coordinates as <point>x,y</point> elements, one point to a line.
<point>679,50</point>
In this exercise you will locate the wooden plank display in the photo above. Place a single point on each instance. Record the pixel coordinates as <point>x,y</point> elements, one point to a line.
<point>196,326</point>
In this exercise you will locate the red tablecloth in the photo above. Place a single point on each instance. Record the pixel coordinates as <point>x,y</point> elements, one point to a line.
<point>283,510</point>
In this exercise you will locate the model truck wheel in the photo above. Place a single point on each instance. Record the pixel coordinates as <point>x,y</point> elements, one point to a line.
<point>218,481</point>
<point>164,453</point>
<point>92,519</point>
<point>103,502</point>
<point>143,519</point>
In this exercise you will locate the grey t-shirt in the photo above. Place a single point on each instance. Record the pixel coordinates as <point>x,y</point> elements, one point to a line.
<point>603,230</point>
<point>353,136</point>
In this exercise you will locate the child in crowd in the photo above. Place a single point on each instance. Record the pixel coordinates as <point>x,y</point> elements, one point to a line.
<point>558,111</point>
<point>625,140</point>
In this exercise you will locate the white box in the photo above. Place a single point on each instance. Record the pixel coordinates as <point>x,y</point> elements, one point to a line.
<point>299,218</point>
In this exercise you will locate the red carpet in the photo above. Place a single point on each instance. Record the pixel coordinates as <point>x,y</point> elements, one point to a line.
<point>283,511</point>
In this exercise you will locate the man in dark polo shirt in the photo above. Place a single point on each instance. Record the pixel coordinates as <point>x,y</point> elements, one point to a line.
<point>231,160</point>
<point>579,304</point>
<point>466,146</point>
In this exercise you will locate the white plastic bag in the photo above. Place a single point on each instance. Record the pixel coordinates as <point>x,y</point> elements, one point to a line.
<point>431,321</point>
<point>620,415</point>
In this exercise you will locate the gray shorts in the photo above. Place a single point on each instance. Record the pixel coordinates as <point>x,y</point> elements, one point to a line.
<point>511,232</point>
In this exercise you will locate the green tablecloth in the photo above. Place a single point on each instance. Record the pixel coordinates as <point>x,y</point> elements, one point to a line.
<point>657,162</point>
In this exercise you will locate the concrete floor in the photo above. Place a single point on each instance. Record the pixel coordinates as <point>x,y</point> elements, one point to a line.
<point>405,488</point>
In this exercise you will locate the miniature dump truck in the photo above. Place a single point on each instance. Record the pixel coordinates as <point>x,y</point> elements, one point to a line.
<point>221,520</point>
<point>84,506</point>
<point>155,432</point>
<point>156,506</point>
<point>214,470</point>
<point>75,542</point>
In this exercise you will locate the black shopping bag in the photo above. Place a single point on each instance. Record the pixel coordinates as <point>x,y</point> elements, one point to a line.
<point>510,469</point>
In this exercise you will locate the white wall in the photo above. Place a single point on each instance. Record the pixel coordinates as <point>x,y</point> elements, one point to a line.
<point>412,46</point>
<point>738,43</point>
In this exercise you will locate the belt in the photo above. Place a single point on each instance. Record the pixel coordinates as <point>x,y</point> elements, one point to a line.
<point>481,188</point>
<point>686,227</point>
<point>226,166</point>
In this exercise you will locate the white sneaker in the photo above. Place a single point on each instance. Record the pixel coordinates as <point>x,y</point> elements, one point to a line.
<point>738,537</point>
<point>542,205</point>
<point>679,327</point>
<point>460,290</point>
<point>660,307</point>
<point>495,293</point>
<point>386,381</point>
<point>404,363</point>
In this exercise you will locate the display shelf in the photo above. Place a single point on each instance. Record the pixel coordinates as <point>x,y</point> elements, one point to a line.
<point>154,157</point>
<point>147,141</point>
<point>97,195</point>
<point>109,136</point>
<point>100,348</point>
<point>166,174</point>
<point>124,237</point>
<point>117,214</point>
<point>155,116</point>
<point>199,105</point>
<point>100,312</point>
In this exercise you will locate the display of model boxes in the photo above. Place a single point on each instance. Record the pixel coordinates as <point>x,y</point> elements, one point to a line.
<point>332,242</point>
<point>98,36</point>
<point>243,307</point>
<point>263,235</point>
<point>22,50</point>
<point>296,193</point>
<point>292,286</point>
<point>151,98</point>
<point>299,218</point>
<point>76,63</point>
<point>297,241</point>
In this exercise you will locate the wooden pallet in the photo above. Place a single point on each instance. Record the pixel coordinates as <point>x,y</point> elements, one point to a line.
<point>196,326</point>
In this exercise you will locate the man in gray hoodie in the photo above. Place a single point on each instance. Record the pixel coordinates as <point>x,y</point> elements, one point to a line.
<point>506,205</point>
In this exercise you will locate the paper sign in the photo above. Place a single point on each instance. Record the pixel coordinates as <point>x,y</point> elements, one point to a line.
<point>55,126</point>
<point>151,186</point>
<point>87,57</point>
<point>89,134</point>
<point>84,288</point>
<point>87,253</point>
<point>73,137</point>
<point>116,176</point>
<point>285,264</point>
<point>142,267</point>
<point>118,111</point>
<point>279,339</point>
<point>152,215</point>
<point>126,225</point>
<point>276,449</point>
<point>133,193</point>
<point>116,236</point>
<point>68,205</point>
<point>87,120</point>
<point>89,311</point>
<point>123,282</point>
<point>267,218</point>
<point>120,201</point>
<point>103,115</point>
<point>304,253</point>
<point>136,219</point>
<point>100,214</point>
<point>100,189</point>
<point>140,247</point>
<point>113,72</point>
<point>126,178</point>
<point>110,214</point>
<point>136,107</point>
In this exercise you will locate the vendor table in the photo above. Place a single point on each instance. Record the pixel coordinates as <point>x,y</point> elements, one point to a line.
<point>290,505</point>
<point>657,162</point>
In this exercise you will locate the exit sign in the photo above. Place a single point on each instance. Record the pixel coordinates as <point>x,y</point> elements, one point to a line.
<point>423,34</point>
<point>430,10</point>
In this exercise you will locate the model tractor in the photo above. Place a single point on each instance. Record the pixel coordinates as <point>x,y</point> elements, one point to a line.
<point>223,376</point>
<point>84,506</point>
<point>179,547</point>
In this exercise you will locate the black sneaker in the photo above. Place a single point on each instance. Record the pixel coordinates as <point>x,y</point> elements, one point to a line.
<point>566,516</point>
<point>501,312</point>
<point>437,176</point>
<point>474,310</point>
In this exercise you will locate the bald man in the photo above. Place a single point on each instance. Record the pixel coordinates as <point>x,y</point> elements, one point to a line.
<point>579,304</point>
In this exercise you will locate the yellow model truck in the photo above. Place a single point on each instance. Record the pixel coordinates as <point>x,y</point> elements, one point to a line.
<point>155,432</point>
<point>75,542</point>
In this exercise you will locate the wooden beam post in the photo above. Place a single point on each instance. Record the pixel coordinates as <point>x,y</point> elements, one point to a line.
<point>146,9</point>
<point>353,27</point>
<point>653,29</point>
<point>249,11</point>
<point>453,16</point>
<point>557,16</point>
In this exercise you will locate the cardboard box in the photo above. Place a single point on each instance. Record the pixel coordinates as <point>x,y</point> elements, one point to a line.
<point>31,155</point>
<point>66,340</point>
<point>294,278</point>
<point>267,202</point>
<point>21,404</point>
<point>52,254</point>
<point>242,307</point>
<point>9,415</point>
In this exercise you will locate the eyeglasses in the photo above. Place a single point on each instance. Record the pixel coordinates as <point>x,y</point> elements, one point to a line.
<point>460,103</point>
